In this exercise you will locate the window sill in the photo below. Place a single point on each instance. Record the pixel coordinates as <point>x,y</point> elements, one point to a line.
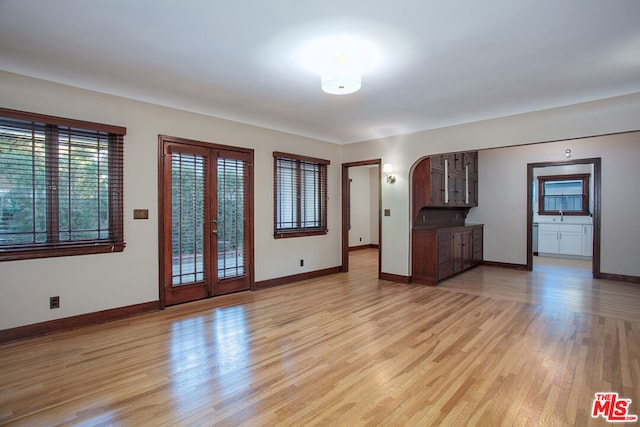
<point>50,252</point>
<point>285,235</point>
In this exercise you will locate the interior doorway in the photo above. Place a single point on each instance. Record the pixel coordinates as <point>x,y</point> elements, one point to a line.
<point>205,220</point>
<point>563,227</point>
<point>369,174</point>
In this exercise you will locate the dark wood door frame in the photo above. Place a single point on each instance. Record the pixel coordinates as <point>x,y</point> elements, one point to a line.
<point>346,211</point>
<point>596,162</point>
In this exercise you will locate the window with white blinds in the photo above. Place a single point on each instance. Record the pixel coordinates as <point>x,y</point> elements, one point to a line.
<point>300,195</point>
<point>564,194</point>
<point>61,186</point>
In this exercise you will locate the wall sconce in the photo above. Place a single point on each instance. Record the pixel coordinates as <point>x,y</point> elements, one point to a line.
<point>567,152</point>
<point>387,168</point>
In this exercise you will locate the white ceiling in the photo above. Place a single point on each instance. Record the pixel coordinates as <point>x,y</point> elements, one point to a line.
<point>444,62</point>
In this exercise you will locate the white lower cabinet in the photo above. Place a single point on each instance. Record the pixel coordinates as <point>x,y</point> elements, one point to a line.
<point>564,239</point>
<point>587,240</point>
<point>548,241</point>
<point>570,241</point>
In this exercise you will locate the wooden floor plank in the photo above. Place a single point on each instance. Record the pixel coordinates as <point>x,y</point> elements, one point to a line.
<point>491,346</point>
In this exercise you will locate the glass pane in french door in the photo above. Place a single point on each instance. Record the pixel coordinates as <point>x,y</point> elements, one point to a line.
<point>187,213</point>
<point>231,218</point>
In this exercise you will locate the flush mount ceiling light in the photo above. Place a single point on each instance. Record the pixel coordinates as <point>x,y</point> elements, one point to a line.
<point>341,77</point>
<point>341,84</point>
<point>340,60</point>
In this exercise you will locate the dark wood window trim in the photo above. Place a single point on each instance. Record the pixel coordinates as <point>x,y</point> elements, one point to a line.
<point>296,226</point>
<point>109,139</point>
<point>584,211</point>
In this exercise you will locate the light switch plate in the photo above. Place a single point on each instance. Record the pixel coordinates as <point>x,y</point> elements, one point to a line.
<point>141,214</point>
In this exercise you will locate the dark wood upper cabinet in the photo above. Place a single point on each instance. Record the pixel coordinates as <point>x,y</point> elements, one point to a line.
<point>444,188</point>
<point>446,180</point>
<point>471,160</point>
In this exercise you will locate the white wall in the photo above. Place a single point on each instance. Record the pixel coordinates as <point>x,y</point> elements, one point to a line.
<point>97,282</point>
<point>502,195</point>
<point>374,208</point>
<point>360,232</point>
<point>364,205</point>
<point>505,217</point>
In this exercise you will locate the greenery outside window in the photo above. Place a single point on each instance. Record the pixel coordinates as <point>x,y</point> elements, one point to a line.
<point>61,186</point>
<point>563,194</point>
<point>300,195</point>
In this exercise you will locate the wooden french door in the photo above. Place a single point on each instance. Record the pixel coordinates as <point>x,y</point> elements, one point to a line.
<point>206,224</point>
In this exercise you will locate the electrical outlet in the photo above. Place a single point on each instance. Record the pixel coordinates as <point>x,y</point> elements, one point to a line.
<point>54,302</point>
<point>301,263</point>
<point>361,239</point>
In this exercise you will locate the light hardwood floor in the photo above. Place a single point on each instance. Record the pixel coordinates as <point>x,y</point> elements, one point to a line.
<point>489,347</point>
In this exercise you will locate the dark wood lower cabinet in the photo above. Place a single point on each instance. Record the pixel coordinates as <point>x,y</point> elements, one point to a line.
<point>442,252</point>
<point>477,239</point>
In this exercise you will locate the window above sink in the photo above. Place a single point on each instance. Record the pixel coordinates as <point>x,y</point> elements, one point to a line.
<point>563,195</point>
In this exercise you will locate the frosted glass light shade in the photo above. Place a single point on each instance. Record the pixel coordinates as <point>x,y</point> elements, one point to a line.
<point>341,84</point>
<point>340,60</point>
